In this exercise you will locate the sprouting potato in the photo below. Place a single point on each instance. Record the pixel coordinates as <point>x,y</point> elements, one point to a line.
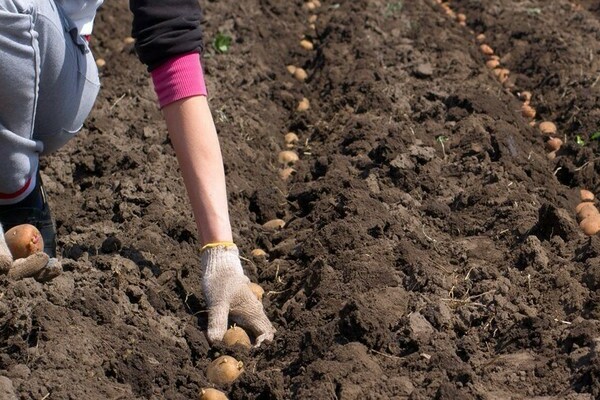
<point>274,224</point>
<point>257,290</point>
<point>212,394</point>
<point>286,172</point>
<point>525,96</point>
<point>487,50</point>
<point>300,74</point>
<point>306,44</point>
<point>224,370</point>
<point>527,111</point>
<point>587,211</point>
<point>491,64</point>
<point>502,74</point>
<point>24,240</point>
<point>586,195</point>
<point>553,144</point>
<point>591,225</point>
<point>310,5</point>
<point>236,335</point>
<point>290,138</point>
<point>448,10</point>
<point>258,253</point>
<point>303,105</point>
<point>547,128</point>
<point>287,157</point>
<point>581,206</point>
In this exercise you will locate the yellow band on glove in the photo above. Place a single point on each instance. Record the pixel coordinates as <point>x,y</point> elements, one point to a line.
<point>216,244</point>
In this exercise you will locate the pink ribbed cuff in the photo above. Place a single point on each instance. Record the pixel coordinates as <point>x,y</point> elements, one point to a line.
<point>178,78</point>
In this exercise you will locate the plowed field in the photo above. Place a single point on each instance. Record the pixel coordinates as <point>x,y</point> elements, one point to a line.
<point>431,248</point>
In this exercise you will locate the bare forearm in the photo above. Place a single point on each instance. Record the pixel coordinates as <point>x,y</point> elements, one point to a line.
<point>194,137</point>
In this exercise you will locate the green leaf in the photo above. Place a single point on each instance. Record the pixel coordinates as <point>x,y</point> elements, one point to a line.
<point>579,140</point>
<point>595,136</point>
<point>393,8</point>
<point>441,138</point>
<point>222,42</point>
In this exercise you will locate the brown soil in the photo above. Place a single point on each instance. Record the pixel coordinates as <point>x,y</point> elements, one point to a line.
<point>431,248</point>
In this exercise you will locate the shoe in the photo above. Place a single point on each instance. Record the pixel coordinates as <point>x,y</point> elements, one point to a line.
<point>25,212</point>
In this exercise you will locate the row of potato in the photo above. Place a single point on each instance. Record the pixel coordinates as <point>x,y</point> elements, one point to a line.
<point>225,370</point>
<point>587,214</point>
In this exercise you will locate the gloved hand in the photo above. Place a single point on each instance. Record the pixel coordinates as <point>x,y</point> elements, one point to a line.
<point>37,265</point>
<point>227,294</point>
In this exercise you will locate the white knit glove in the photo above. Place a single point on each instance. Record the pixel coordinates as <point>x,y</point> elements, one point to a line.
<point>227,294</point>
<point>37,265</point>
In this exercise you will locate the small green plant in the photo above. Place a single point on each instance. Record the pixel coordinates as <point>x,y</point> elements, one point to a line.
<point>393,8</point>
<point>595,136</point>
<point>441,139</point>
<point>222,43</point>
<point>579,140</point>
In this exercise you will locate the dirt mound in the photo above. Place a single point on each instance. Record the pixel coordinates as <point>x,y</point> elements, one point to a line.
<point>431,248</point>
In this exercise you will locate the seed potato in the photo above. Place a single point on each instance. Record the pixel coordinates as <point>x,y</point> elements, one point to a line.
<point>274,224</point>
<point>224,370</point>
<point>236,335</point>
<point>287,157</point>
<point>300,74</point>
<point>547,128</point>
<point>586,195</point>
<point>587,211</point>
<point>553,144</point>
<point>257,290</point>
<point>212,394</point>
<point>303,105</point>
<point>527,111</point>
<point>306,44</point>
<point>591,225</point>
<point>581,206</point>
<point>258,253</point>
<point>290,138</point>
<point>24,240</point>
<point>285,173</point>
<point>487,50</point>
<point>525,96</point>
<point>491,64</point>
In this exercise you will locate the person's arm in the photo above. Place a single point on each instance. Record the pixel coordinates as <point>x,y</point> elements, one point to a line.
<point>194,138</point>
<point>168,41</point>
